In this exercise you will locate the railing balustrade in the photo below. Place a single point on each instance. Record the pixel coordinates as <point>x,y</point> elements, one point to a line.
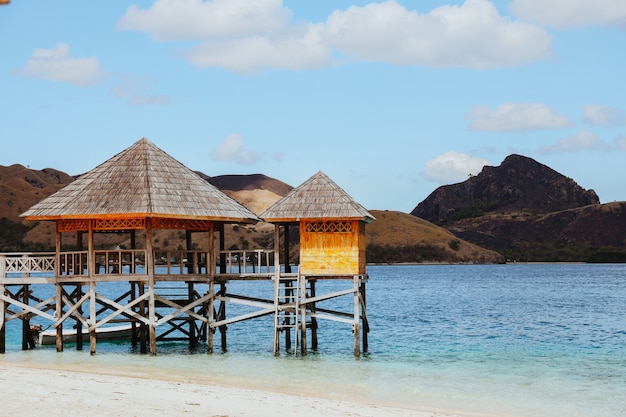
<point>132,262</point>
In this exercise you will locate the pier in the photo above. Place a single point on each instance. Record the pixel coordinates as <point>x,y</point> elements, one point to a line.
<point>183,294</point>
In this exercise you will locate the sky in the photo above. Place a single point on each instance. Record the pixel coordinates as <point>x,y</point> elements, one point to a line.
<point>390,99</point>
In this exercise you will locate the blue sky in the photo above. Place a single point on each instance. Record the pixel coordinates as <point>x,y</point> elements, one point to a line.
<point>390,99</point>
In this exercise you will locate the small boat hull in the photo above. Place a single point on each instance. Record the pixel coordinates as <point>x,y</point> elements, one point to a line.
<point>123,332</point>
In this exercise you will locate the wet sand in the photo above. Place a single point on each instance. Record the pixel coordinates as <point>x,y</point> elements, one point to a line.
<point>26,390</point>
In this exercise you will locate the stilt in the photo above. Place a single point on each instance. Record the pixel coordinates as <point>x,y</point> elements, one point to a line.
<point>92,318</point>
<point>364,322</point>
<point>303,305</point>
<point>222,316</point>
<point>356,326</point>
<point>2,320</point>
<point>57,316</point>
<point>313,319</point>
<point>27,335</point>
<point>143,342</point>
<point>211,315</point>
<point>79,324</point>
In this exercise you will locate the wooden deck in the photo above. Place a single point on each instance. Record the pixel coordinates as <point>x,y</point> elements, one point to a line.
<point>183,301</point>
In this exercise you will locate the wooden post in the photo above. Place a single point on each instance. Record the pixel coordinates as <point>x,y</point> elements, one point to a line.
<point>92,314</point>
<point>286,248</point>
<point>222,316</point>
<point>364,322</point>
<point>27,336</point>
<point>142,326</point>
<point>356,324</point>
<point>151,300</point>
<point>313,319</point>
<point>58,312</point>
<point>211,315</point>
<point>92,288</point>
<point>302,283</point>
<point>2,318</point>
<point>79,324</point>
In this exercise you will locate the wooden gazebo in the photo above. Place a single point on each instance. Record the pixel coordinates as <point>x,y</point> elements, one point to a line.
<point>137,191</point>
<point>332,246</point>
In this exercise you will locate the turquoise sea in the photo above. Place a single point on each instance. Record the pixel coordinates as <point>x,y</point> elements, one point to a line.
<point>537,340</point>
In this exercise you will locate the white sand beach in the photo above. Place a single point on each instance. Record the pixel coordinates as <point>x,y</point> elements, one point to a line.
<point>58,392</point>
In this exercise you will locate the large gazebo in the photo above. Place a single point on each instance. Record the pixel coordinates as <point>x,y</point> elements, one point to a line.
<point>137,191</point>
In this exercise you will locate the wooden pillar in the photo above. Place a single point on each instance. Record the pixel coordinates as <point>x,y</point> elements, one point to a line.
<point>364,322</point>
<point>93,319</point>
<point>2,318</point>
<point>222,316</point>
<point>286,248</point>
<point>276,288</point>
<point>211,315</point>
<point>313,319</point>
<point>302,283</point>
<point>58,312</point>
<point>143,342</point>
<point>151,300</point>
<point>356,324</point>
<point>220,228</point>
<point>79,324</point>
<point>27,335</point>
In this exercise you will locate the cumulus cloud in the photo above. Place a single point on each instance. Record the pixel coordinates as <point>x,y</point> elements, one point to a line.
<point>245,36</point>
<point>171,20</point>
<point>563,14</point>
<point>56,64</point>
<point>299,49</point>
<point>581,141</point>
<point>453,167</point>
<point>472,35</point>
<point>233,149</point>
<point>599,115</point>
<point>515,117</point>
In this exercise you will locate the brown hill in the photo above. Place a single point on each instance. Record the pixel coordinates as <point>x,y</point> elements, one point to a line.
<point>527,211</point>
<point>394,237</point>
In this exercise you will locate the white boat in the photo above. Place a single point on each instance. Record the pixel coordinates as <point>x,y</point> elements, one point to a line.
<point>121,332</point>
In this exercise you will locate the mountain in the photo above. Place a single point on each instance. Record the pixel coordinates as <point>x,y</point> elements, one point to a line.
<point>527,211</point>
<point>393,237</point>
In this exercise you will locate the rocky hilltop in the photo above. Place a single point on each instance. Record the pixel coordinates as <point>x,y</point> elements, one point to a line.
<point>519,185</point>
<point>529,212</point>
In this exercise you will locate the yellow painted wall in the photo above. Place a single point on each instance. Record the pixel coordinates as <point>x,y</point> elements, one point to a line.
<point>333,253</point>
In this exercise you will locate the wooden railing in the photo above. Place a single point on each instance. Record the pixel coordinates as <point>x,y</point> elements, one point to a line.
<point>132,262</point>
<point>26,263</point>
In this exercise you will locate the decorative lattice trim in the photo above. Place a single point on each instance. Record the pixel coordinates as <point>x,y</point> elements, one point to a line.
<point>186,224</point>
<point>72,225</point>
<point>119,224</point>
<point>329,227</point>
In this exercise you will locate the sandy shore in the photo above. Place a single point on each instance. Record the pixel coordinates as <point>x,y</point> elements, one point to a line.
<point>58,392</point>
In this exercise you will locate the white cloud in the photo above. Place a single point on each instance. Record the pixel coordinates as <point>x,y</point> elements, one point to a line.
<point>233,149</point>
<point>138,92</point>
<point>246,36</point>
<point>453,167</point>
<point>473,35</point>
<point>515,117</point>
<point>598,115</point>
<point>170,20</point>
<point>56,64</point>
<point>562,14</point>
<point>300,49</point>
<point>581,141</point>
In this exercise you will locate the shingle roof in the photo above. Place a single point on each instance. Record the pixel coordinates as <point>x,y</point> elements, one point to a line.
<point>142,180</point>
<point>317,198</point>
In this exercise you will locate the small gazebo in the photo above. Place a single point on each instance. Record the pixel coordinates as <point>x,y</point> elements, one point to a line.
<point>138,190</point>
<point>332,246</point>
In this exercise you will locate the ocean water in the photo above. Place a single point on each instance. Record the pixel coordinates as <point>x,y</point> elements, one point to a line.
<point>536,340</point>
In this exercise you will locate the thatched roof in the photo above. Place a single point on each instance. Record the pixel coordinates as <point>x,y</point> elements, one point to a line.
<point>140,181</point>
<point>317,198</point>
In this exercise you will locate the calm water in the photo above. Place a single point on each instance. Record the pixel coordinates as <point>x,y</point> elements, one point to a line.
<point>516,340</point>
